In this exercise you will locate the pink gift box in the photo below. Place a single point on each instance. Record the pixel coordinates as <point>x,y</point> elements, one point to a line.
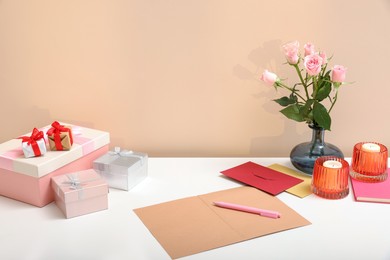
<point>28,179</point>
<point>80,193</point>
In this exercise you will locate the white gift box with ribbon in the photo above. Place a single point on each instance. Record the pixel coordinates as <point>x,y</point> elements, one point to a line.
<point>29,151</point>
<point>122,169</point>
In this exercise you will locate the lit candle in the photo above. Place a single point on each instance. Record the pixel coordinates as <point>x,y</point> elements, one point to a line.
<point>332,164</point>
<point>371,147</point>
<point>330,177</point>
<point>369,162</point>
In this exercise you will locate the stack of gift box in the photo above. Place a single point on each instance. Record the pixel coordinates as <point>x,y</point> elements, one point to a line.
<point>68,164</point>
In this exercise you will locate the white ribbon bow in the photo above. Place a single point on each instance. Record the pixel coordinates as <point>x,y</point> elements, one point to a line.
<point>126,153</point>
<point>76,184</point>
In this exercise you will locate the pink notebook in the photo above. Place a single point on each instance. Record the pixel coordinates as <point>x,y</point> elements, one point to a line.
<point>371,192</point>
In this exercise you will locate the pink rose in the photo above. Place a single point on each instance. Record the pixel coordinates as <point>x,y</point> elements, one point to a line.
<point>324,58</point>
<point>309,49</point>
<point>338,73</point>
<point>312,64</point>
<point>269,78</point>
<point>291,52</point>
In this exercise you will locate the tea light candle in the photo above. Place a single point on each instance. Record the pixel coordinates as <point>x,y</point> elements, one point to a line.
<point>371,147</point>
<point>369,162</point>
<point>330,177</point>
<point>332,164</point>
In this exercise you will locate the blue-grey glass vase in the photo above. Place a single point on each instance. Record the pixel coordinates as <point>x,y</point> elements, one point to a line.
<point>305,154</point>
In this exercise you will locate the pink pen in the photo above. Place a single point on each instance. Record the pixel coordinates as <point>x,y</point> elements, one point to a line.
<point>261,212</point>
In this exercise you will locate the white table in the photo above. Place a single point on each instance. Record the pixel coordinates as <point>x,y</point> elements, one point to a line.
<point>341,229</point>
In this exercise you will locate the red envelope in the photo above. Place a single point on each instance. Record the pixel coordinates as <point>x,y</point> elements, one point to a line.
<point>261,177</point>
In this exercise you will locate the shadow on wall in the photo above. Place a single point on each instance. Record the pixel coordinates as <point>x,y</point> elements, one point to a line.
<point>269,56</point>
<point>266,56</point>
<point>17,126</point>
<point>279,144</point>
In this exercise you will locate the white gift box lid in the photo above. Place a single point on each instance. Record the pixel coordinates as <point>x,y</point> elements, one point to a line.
<point>85,141</point>
<point>120,162</point>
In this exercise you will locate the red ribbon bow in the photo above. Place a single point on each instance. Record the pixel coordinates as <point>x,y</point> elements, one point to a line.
<point>56,130</point>
<point>32,140</point>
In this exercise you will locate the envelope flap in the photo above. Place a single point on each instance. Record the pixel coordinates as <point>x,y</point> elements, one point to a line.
<point>261,177</point>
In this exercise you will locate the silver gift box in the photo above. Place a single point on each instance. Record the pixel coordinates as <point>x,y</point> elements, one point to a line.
<point>122,169</point>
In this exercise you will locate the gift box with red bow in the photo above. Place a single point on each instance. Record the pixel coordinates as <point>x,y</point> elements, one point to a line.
<point>122,169</point>
<point>80,193</point>
<point>28,179</point>
<point>60,137</point>
<point>33,145</point>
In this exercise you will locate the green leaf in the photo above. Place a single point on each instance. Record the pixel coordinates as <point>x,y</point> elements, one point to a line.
<point>285,101</point>
<point>310,117</point>
<point>324,87</point>
<point>306,109</point>
<point>293,98</point>
<point>327,75</point>
<point>293,112</point>
<point>323,91</point>
<point>321,116</point>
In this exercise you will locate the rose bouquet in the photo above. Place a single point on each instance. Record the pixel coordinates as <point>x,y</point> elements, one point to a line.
<point>316,84</point>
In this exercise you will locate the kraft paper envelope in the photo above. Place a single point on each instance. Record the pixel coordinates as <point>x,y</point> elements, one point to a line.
<point>194,224</point>
<point>261,177</point>
<point>302,189</point>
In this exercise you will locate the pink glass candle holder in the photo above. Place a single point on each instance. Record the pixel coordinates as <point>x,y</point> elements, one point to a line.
<point>330,177</point>
<point>369,162</point>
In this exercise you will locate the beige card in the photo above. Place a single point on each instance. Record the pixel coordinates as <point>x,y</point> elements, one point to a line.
<point>194,224</point>
<point>302,189</point>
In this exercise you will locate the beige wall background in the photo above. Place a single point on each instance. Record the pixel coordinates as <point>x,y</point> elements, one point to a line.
<point>180,77</point>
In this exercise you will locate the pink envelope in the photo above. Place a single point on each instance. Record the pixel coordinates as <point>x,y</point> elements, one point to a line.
<point>261,177</point>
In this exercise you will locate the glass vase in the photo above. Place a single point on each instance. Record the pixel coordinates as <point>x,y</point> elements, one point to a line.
<point>304,155</point>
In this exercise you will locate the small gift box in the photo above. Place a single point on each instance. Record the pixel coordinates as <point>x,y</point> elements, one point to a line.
<point>80,193</point>
<point>33,145</point>
<point>122,169</point>
<point>60,137</point>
